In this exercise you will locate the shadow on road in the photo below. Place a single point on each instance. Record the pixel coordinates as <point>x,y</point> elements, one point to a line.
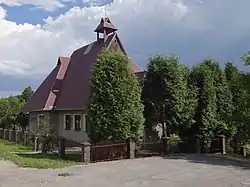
<point>210,160</point>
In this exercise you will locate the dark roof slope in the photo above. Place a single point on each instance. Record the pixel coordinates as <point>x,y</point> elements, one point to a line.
<point>67,86</point>
<point>75,89</point>
<point>74,94</point>
<point>45,96</point>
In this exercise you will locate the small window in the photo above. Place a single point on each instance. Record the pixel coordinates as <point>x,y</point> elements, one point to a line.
<point>68,122</point>
<point>40,120</point>
<point>77,122</point>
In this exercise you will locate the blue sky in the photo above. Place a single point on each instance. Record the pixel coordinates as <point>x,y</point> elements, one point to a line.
<point>35,32</point>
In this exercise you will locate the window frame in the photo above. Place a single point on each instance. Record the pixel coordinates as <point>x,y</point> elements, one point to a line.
<point>83,122</point>
<point>74,122</point>
<point>64,122</point>
<point>38,119</point>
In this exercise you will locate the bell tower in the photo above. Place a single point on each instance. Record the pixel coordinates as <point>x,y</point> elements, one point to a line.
<point>104,28</point>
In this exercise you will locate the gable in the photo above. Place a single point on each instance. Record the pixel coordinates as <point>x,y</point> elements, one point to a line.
<point>46,94</point>
<point>116,45</point>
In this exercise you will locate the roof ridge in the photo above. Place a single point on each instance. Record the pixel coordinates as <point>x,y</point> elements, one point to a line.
<point>135,63</point>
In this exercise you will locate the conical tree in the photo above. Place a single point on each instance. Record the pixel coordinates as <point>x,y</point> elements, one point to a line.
<point>205,117</point>
<point>115,110</point>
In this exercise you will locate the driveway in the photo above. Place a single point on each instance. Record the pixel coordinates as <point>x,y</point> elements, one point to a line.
<point>191,171</point>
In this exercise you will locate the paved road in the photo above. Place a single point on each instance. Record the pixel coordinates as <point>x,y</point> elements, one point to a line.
<point>159,172</point>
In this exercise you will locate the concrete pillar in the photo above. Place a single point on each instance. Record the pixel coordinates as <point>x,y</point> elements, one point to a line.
<point>166,145</point>
<point>36,147</point>
<point>61,147</point>
<point>12,137</point>
<point>18,136</point>
<point>1,133</point>
<point>130,149</point>
<point>223,144</point>
<point>6,134</point>
<point>86,157</point>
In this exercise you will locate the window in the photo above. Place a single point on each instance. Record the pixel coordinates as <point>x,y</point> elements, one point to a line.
<point>77,122</point>
<point>40,120</point>
<point>68,122</point>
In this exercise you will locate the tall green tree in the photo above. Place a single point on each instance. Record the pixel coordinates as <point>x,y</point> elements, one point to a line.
<point>241,109</point>
<point>115,110</point>
<point>224,103</point>
<point>166,93</point>
<point>26,94</point>
<point>206,111</point>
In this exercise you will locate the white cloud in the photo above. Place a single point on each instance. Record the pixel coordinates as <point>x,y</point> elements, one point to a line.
<point>93,2</point>
<point>45,4</point>
<point>2,13</point>
<point>145,26</point>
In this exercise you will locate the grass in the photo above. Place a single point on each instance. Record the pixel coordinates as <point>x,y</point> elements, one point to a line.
<point>22,156</point>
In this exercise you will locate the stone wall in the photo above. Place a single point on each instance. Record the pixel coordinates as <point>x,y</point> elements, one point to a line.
<point>17,136</point>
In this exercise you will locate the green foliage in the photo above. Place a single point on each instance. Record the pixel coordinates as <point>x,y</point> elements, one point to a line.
<point>9,110</point>
<point>4,113</point>
<point>246,58</point>
<point>203,78</point>
<point>241,102</point>
<point>115,109</point>
<point>167,96</point>
<point>26,94</point>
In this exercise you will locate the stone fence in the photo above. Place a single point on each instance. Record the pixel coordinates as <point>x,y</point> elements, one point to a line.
<point>112,151</point>
<point>17,136</point>
<point>87,152</point>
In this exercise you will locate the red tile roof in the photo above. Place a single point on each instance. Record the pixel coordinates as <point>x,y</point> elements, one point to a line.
<point>67,86</point>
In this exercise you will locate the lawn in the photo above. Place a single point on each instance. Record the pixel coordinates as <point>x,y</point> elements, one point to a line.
<point>18,154</point>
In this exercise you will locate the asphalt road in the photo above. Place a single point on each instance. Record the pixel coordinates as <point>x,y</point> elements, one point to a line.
<point>191,171</point>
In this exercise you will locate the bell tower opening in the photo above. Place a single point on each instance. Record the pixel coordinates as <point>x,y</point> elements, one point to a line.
<point>104,29</point>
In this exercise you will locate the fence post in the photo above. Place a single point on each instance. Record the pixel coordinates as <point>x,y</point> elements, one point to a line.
<point>18,136</point>
<point>61,147</point>
<point>36,144</point>
<point>130,148</point>
<point>6,134</point>
<point>223,144</point>
<point>207,142</point>
<point>166,145</point>
<point>86,148</point>
<point>12,135</point>
<point>1,133</point>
